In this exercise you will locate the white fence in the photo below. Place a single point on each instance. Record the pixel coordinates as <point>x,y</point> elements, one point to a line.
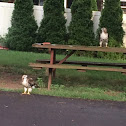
<point>6,10</point>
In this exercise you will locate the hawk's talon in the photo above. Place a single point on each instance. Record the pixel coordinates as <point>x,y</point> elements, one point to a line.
<point>28,93</point>
<point>24,93</point>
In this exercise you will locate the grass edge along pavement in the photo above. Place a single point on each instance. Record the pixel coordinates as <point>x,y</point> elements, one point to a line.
<point>88,85</point>
<point>66,93</point>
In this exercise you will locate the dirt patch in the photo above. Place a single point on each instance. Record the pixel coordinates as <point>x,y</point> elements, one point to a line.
<point>112,93</point>
<point>10,80</point>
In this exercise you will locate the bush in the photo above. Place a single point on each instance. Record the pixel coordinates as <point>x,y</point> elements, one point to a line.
<point>2,41</point>
<point>81,25</point>
<point>112,42</point>
<point>94,5</point>
<point>111,18</point>
<point>52,28</point>
<point>22,33</point>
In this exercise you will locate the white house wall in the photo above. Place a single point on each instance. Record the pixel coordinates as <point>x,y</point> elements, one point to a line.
<point>6,10</point>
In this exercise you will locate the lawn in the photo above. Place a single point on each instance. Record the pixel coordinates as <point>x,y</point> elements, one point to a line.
<point>98,85</point>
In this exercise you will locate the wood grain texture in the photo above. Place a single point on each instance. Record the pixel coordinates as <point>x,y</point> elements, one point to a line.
<point>62,66</point>
<point>84,63</point>
<point>81,48</point>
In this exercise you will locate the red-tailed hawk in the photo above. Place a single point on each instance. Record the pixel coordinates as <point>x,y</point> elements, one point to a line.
<point>28,84</point>
<point>103,38</point>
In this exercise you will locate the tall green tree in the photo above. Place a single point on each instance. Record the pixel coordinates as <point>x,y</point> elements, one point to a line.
<point>52,28</point>
<point>81,25</point>
<point>111,18</point>
<point>94,5</point>
<point>22,33</point>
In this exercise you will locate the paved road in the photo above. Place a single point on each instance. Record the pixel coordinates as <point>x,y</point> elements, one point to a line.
<point>36,110</point>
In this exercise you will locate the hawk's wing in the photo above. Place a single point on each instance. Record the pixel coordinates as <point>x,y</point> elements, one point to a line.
<point>31,82</point>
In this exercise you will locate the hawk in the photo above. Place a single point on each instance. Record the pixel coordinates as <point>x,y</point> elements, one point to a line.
<point>103,38</point>
<point>28,84</point>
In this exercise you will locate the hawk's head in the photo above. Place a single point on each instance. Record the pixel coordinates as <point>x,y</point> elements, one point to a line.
<point>104,30</point>
<point>24,77</point>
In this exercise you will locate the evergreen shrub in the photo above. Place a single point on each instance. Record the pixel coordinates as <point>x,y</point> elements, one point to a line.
<point>52,28</point>
<point>94,5</point>
<point>22,33</point>
<point>81,25</point>
<point>111,18</point>
<point>2,41</point>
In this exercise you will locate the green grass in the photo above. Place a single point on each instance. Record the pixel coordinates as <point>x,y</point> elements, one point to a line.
<point>98,85</point>
<point>22,59</point>
<point>77,92</point>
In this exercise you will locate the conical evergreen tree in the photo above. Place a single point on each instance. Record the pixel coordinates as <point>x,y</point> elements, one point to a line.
<point>94,5</point>
<point>81,25</point>
<point>111,18</point>
<point>22,33</point>
<point>52,28</point>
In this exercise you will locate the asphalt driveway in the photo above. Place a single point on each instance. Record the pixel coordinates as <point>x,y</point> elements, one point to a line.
<point>37,110</point>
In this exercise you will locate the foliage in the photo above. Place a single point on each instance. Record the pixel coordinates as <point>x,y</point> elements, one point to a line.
<point>111,18</point>
<point>40,82</point>
<point>52,28</point>
<point>110,55</point>
<point>94,5</point>
<point>81,25</point>
<point>22,33</point>
<point>2,41</point>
